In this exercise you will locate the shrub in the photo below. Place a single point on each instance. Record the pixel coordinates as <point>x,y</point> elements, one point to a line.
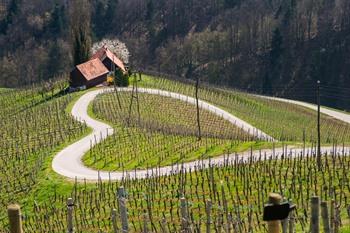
<point>121,79</point>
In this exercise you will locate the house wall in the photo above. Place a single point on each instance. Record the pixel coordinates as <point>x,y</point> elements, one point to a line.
<point>96,81</point>
<point>76,79</point>
<point>108,64</point>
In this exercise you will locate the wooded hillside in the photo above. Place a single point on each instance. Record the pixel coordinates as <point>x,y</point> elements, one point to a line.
<point>269,46</point>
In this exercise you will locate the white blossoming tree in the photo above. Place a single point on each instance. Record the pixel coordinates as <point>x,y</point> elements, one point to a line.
<point>116,46</point>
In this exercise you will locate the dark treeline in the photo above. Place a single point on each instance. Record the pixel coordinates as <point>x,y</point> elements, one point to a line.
<point>279,47</point>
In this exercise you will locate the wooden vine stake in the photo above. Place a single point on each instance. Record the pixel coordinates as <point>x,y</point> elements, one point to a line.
<point>291,222</point>
<point>274,226</point>
<point>184,215</point>
<point>123,210</point>
<point>285,223</point>
<point>325,217</point>
<point>315,215</point>
<point>208,212</point>
<point>163,225</point>
<point>70,206</point>
<point>14,214</point>
<point>114,221</point>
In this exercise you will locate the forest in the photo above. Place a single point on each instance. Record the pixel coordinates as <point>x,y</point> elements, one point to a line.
<point>273,47</point>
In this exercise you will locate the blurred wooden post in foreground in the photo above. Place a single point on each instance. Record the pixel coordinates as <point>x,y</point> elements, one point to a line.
<point>123,209</point>
<point>114,221</point>
<point>315,215</point>
<point>14,214</point>
<point>274,226</point>
<point>325,217</point>
<point>208,212</point>
<point>291,222</point>
<point>70,206</point>
<point>184,215</point>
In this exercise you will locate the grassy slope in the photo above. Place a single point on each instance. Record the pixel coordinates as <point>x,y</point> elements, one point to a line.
<point>45,179</point>
<point>281,120</point>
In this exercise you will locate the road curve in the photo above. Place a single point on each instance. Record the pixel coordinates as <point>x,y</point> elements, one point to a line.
<point>68,162</point>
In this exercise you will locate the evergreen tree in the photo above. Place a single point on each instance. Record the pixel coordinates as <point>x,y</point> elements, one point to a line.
<point>276,47</point>
<point>150,10</point>
<point>274,69</point>
<point>56,62</point>
<point>98,19</point>
<point>267,85</point>
<point>231,3</point>
<point>12,11</point>
<point>110,17</point>
<point>56,24</point>
<point>121,79</point>
<point>81,31</point>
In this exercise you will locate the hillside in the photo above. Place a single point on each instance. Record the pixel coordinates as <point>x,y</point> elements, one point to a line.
<point>235,171</point>
<point>276,47</point>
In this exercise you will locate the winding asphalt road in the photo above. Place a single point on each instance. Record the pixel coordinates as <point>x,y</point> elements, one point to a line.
<point>68,162</point>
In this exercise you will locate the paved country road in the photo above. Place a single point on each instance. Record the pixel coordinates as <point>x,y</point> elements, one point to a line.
<point>68,162</point>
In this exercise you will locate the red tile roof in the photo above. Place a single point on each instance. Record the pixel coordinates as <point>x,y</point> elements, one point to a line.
<point>92,69</point>
<point>104,52</point>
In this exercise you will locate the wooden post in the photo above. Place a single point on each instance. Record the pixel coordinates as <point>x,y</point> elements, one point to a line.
<point>291,222</point>
<point>337,223</point>
<point>184,215</point>
<point>70,206</point>
<point>14,214</point>
<point>114,221</point>
<point>318,126</point>
<point>332,216</point>
<point>315,215</point>
<point>285,223</point>
<point>145,222</point>
<point>123,210</point>
<point>208,212</point>
<point>325,217</point>
<point>163,226</point>
<point>198,112</point>
<point>274,226</point>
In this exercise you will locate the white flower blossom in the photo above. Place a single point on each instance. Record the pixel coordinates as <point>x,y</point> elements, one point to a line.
<point>116,46</point>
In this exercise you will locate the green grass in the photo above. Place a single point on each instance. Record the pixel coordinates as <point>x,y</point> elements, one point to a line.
<point>28,138</point>
<point>49,183</point>
<point>283,121</point>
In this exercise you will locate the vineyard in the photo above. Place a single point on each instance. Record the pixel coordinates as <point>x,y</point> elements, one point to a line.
<point>283,121</point>
<point>29,137</point>
<point>161,131</point>
<point>235,191</point>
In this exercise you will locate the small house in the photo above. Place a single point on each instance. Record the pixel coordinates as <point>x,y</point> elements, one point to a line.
<point>89,74</point>
<point>109,59</point>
